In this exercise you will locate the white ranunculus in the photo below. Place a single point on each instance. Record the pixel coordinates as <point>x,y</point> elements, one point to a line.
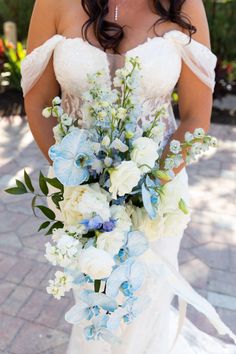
<point>94,201</point>
<point>144,153</point>
<point>111,242</point>
<point>96,263</point>
<point>119,213</point>
<point>69,206</point>
<point>124,178</point>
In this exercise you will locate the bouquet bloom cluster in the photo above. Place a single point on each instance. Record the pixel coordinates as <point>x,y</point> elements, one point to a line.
<point>111,199</point>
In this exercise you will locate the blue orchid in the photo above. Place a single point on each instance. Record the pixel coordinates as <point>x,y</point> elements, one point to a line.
<point>90,305</point>
<point>150,197</point>
<point>127,277</point>
<point>136,244</point>
<point>133,307</point>
<point>72,157</point>
<point>78,277</point>
<point>100,329</point>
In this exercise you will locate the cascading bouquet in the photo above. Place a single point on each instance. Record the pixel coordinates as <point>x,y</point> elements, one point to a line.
<point>105,174</point>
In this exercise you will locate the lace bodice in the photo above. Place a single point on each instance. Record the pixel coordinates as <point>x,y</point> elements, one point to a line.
<point>161,60</point>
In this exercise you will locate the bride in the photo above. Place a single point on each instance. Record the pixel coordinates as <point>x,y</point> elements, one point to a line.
<point>69,39</point>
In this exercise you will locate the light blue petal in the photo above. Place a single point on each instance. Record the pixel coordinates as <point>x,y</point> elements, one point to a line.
<point>75,141</point>
<point>137,275</point>
<point>146,196</point>
<point>137,243</point>
<point>77,313</point>
<point>98,299</point>
<point>68,174</point>
<point>117,277</point>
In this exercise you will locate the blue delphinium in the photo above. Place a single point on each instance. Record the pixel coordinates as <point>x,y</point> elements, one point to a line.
<point>72,157</point>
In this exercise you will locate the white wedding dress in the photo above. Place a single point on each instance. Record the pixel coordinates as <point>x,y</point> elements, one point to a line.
<point>156,329</point>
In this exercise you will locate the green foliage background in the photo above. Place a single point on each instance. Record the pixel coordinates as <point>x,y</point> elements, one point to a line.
<point>221,15</point>
<point>18,11</point>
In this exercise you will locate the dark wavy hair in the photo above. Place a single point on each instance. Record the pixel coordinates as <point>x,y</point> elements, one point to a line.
<point>109,34</point>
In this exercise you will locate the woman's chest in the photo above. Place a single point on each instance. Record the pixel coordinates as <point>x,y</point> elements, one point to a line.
<point>75,58</point>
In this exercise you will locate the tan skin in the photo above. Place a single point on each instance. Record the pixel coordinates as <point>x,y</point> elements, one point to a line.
<point>60,16</point>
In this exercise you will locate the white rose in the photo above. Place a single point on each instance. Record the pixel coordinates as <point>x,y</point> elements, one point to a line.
<point>124,178</point>
<point>144,153</point>
<point>94,201</point>
<point>96,263</point>
<point>69,206</point>
<point>111,242</point>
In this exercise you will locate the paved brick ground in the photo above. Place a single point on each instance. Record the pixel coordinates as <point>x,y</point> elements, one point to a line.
<point>32,322</point>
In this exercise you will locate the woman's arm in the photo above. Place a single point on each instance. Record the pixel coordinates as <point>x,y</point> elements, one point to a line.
<point>195,98</point>
<point>42,27</point>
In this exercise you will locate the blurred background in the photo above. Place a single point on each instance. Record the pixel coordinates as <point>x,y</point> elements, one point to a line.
<point>30,321</point>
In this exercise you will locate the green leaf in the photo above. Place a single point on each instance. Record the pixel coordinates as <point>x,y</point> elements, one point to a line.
<point>42,184</point>
<point>55,183</point>
<point>44,225</point>
<point>47,212</point>
<point>56,225</point>
<point>97,285</point>
<point>28,182</point>
<point>21,185</point>
<point>56,198</point>
<point>33,204</point>
<point>15,191</point>
<point>183,207</point>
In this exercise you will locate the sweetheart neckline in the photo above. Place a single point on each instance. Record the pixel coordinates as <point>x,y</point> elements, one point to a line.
<point>148,40</point>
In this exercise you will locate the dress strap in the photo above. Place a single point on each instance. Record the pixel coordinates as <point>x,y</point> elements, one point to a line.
<point>197,56</point>
<point>33,66</point>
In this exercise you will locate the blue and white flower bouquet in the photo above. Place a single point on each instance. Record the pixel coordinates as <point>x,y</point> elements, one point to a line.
<point>110,195</point>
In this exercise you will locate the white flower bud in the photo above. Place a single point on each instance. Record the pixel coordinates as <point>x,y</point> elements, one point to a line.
<point>47,112</point>
<point>56,101</point>
<point>106,141</point>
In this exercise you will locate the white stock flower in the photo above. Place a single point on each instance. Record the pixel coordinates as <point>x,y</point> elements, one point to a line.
<point>64,253</point>
<point>106,141</point>
<point>188,137</point>
<point>121,113</point>
<point>111,242</point>
<point>57,133</point>
<point>199,133</point>
<point>108,161</point>
<point>47,112</point>
<point>124,178</point>
<point>118,145</point>
<point>56,100</point>
<point>61,284</point>
<point>144,153</point>
<point>66,119</point>
<point>94,201</point>
<point>97,166</point>
<point>175,146</point>
<point>57,234</point>
<point>96,263</point>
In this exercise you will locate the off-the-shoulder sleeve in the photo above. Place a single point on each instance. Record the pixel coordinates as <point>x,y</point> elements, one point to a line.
<point>36,62</point>
<point>197,56</point>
